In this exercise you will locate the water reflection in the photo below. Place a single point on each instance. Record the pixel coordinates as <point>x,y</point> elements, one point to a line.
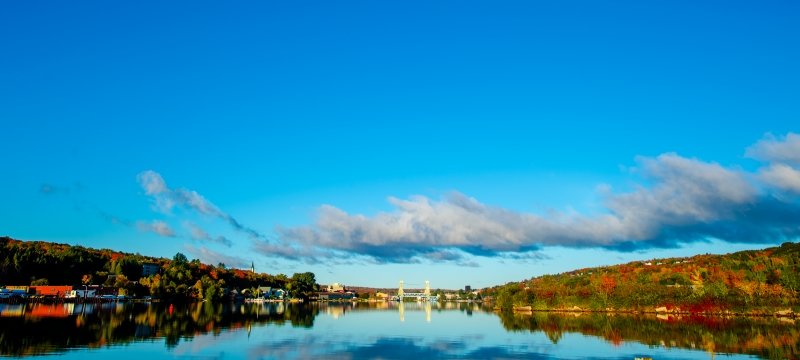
<point>400,348</point>
<point>31,329</point>
<point>427,306</point>
<point>766,337</point>
<point>386,330</point>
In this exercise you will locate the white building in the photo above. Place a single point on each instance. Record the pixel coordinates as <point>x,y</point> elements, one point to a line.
<point>80,294</point>
<point>335,287</point>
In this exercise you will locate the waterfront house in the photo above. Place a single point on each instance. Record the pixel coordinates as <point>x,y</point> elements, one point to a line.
<point>13,294</point>
<point>267,292</point>
<point>81,293</point>
<point>23,288</point>
<point>59,291</point>
<point>279,294</point>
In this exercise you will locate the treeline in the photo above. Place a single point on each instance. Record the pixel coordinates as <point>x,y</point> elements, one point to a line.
<point>741,281</point>
<point>43,263</point>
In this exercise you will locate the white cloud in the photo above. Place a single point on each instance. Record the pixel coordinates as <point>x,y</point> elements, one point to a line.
<point>197,233</point>
<point>152,182</point>
<point>166,199</point>
<point>782,176</point>
<point>208,256</point>
<point>155,187</point>
<point>777,149</point>
<point>156,226</point>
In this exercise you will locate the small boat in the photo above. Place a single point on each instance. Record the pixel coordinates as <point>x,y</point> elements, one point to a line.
<point>522,308</point>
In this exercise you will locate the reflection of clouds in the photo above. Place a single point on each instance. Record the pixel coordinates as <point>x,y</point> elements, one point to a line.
<point>442,345</point>
<point>313,346</point>
<point>301,347</point>
<point>200,343</point>
<point>310,347</point>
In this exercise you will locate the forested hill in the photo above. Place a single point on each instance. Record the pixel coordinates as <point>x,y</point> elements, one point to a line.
<point>767,278</point>
<point>23,262</point>
<point>42,263</point>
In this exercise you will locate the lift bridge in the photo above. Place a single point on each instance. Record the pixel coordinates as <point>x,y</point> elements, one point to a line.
<point>425,295</point>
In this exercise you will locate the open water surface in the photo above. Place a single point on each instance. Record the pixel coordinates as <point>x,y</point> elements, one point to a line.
<point>377,330</point>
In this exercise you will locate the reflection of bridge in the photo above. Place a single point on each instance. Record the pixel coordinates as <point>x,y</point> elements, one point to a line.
<point>425,295</point>
<point>402,309</point>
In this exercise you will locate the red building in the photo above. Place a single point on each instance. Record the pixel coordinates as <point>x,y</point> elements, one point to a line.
<point>49,290</point>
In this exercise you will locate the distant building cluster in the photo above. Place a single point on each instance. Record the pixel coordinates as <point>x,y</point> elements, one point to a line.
<point>72,292</point>
<point>88,292</point>
<point>336,287</point>
<point>334,292</point>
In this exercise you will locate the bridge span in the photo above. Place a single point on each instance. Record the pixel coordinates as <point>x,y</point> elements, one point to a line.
<point>425,295</point>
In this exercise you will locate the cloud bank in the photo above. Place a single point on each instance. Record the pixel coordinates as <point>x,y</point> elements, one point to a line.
<point>679,200</point>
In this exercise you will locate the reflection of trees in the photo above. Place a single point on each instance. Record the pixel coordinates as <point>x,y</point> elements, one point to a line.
<point>104,325</point>
<point>766,337</point>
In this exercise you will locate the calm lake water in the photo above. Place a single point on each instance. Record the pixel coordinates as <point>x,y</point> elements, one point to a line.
<point>383,330</point>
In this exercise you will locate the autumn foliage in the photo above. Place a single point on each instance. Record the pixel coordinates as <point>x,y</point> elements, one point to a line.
<point>741,281</point>
<point>33,262</point>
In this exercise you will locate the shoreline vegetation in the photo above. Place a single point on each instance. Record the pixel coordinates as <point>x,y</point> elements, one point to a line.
<point>746,283</point>
<point>26,264</point>
<point>777,312</point>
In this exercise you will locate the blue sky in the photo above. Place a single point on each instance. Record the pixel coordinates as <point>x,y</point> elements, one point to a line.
<point>516,139</point>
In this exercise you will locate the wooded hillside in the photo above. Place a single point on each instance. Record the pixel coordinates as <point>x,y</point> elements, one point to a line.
<point>42,263</point>
<point>703,283</point>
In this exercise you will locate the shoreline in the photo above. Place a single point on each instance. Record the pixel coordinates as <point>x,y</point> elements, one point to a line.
<point>778,312</point>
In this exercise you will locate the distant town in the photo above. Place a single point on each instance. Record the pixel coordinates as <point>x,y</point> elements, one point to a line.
<point>326,293</point>
<point>37,271</point>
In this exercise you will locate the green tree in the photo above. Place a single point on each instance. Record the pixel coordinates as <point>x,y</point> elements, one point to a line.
<point>303,285</point>
<point>130,267</point>
<point>179,259</point>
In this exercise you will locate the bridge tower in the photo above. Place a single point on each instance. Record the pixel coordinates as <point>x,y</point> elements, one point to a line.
<point>427,288</point>
<point>400,291</point>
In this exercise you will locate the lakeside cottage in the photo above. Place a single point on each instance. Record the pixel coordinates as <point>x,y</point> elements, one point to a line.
<point>267,292</point>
